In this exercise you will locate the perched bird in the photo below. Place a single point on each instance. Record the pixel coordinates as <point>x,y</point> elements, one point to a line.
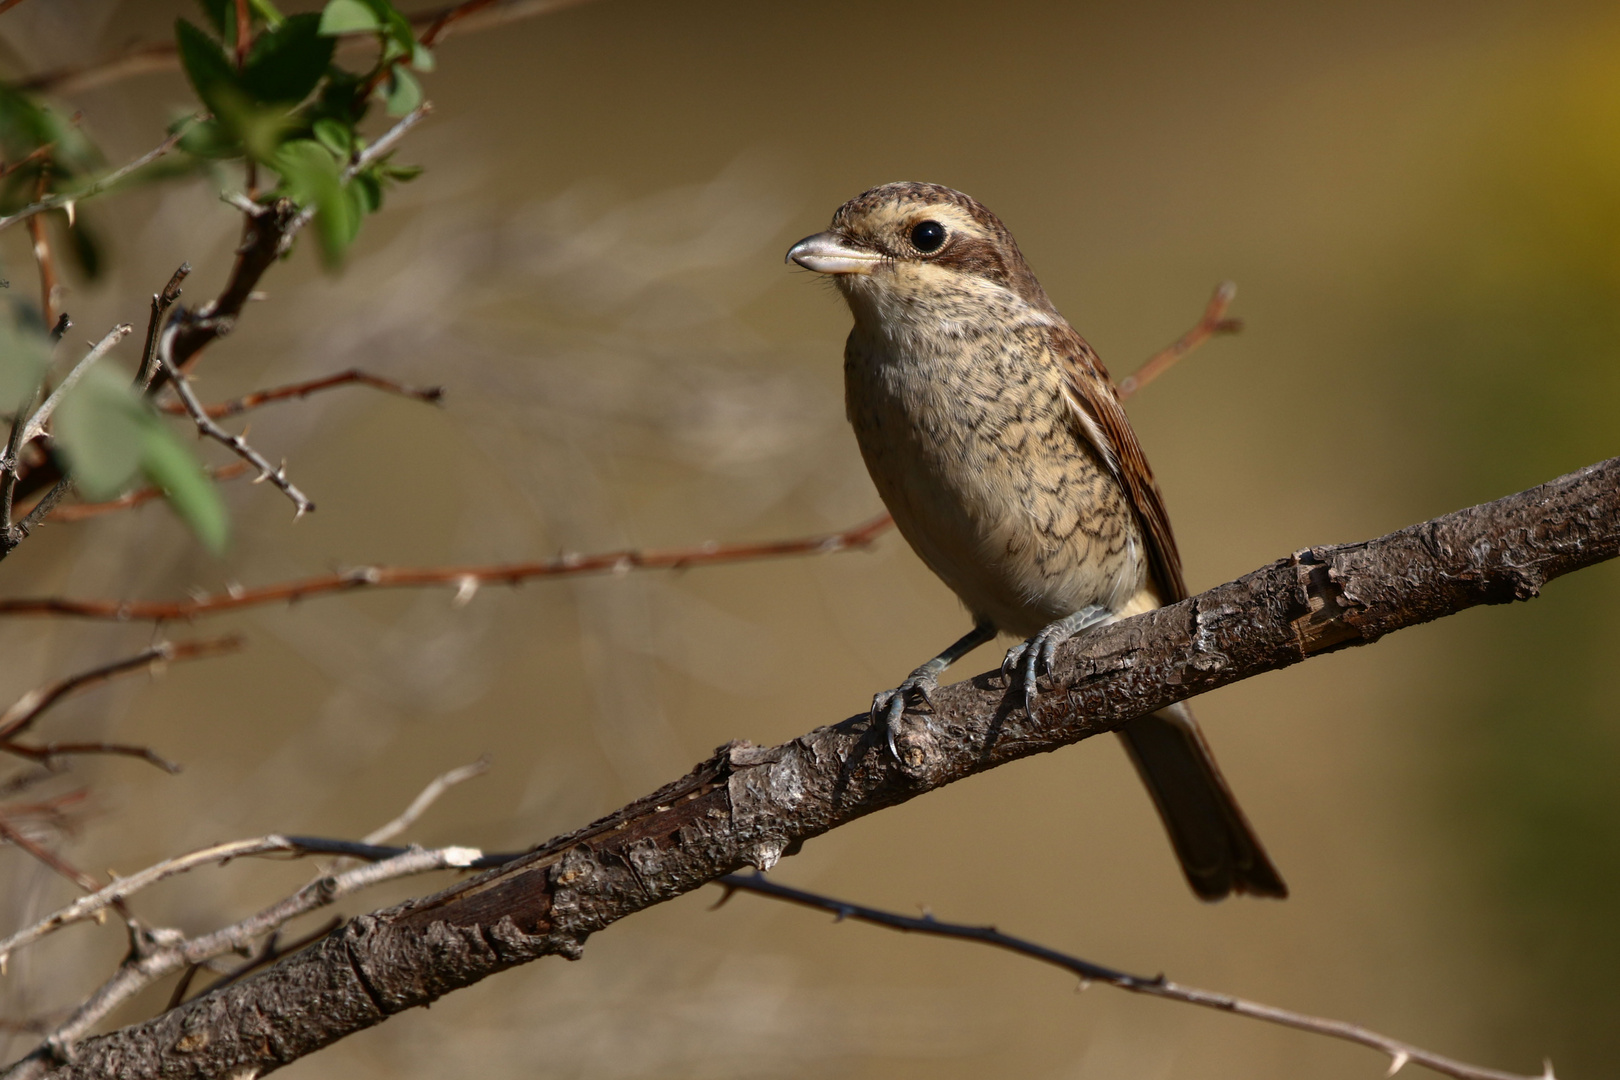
<point>997,440</point>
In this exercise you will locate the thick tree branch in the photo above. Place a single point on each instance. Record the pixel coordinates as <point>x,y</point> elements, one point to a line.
<point>751,805</point>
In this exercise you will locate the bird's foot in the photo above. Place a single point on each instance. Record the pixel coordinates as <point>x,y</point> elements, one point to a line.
<point>890,705</point>
<point>1033,658</point>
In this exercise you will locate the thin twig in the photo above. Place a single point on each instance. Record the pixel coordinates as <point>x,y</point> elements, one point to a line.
<point>26,709</point>
<point>163,952</point>
<point>1400,1053</point>
<point>239,446</point>
<point>49,752</point>
<point>429,795</point>
<point>63,199</point>
<point>162,56</point>
<point>466,580</point>
<point>49,287</point>
<point>10,465</point>
<point>162,301</point>
<point>1213,322</point>
<point>49,858</point>
<point>157,953</point>
<point>36,423</point>
<point>352,377</point>
<point>140,496</point>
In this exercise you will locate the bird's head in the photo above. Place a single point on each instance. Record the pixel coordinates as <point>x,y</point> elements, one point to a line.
<point>902,246</point>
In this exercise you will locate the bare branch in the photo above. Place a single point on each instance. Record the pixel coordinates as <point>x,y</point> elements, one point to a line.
<point>162,301</point>
<point>139,496</point>
<point>26,709</point>
<point>1400,1053</point>
<point>16,838</point>
<point>66,199</point>
<point>47,753</point>
<point>239,446</point>
<point>429,795</point>
<point>750,805</point>
<point>162,56</point>
<point>352,377</point>
<point>159,953</point>
<point>42,416</point>
<point>1213,322</point>
<point>464,579</point>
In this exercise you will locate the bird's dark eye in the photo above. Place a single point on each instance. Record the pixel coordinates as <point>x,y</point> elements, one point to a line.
<point>927,236</point>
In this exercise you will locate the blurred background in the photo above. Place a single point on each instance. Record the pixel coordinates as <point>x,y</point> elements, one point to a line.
<point>1420,203</point>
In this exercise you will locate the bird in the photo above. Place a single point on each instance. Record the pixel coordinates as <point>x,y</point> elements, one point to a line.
<point>997,440</point>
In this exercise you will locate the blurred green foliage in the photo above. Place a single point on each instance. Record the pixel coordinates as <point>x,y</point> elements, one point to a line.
<point>282,104</point>
<point>1517,324</point>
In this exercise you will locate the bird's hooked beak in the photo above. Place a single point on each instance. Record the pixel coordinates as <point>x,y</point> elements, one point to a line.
<point>829,253</point>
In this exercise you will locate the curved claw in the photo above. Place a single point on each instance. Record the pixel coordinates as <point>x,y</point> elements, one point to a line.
<point>890,705</point>
<point>1034,657</point>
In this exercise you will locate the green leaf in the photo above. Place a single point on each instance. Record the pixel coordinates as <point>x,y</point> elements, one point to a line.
<point>211,139</point>
<point>24,353</point>
<point>348,17</point>
<point>401,92</point>
<point>109,435</point>
<point>169,464</point>
<point>99,430</point>
<point>267,11</point>
<point>287,63</point>
<point>367,191</point>
<point>210,71</point>
<point>399,174</point>
<point>221,16</point>
<point>334,135</point>
<point>311,177</point>
<point>422,57</point>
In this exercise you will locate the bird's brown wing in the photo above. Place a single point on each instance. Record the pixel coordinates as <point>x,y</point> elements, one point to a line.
<point>1101,419</point>
<point>1218,848</point>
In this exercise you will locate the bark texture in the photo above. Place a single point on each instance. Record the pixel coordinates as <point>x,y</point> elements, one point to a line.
<point>750,805</point>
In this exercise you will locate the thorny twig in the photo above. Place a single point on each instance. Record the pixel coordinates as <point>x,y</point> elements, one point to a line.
<point>352,377</point>
<point>139,496</point>
<point>26,709</point>
<point>162,301</point>
<point>239,446</point>
<point>466,580</point>
<point>1400,1053</point>
<point>66,199</point>
<point>42,416</point>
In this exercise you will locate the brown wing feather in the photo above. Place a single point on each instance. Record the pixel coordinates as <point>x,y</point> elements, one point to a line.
<point>1101,413</point>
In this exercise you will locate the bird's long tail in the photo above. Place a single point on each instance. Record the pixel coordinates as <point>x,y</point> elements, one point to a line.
<point>1218,850</point>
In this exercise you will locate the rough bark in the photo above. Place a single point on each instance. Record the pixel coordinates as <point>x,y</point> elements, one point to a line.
<point>751,805</point>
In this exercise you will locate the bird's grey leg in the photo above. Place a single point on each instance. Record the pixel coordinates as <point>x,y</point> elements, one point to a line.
<point>891,704</point>
<point>1032,657</point>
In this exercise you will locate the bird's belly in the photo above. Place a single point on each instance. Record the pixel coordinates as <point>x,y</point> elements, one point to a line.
<point>999,497</point>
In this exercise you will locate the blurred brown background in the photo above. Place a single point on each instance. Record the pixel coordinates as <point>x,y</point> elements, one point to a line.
<point>1421,205</point>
